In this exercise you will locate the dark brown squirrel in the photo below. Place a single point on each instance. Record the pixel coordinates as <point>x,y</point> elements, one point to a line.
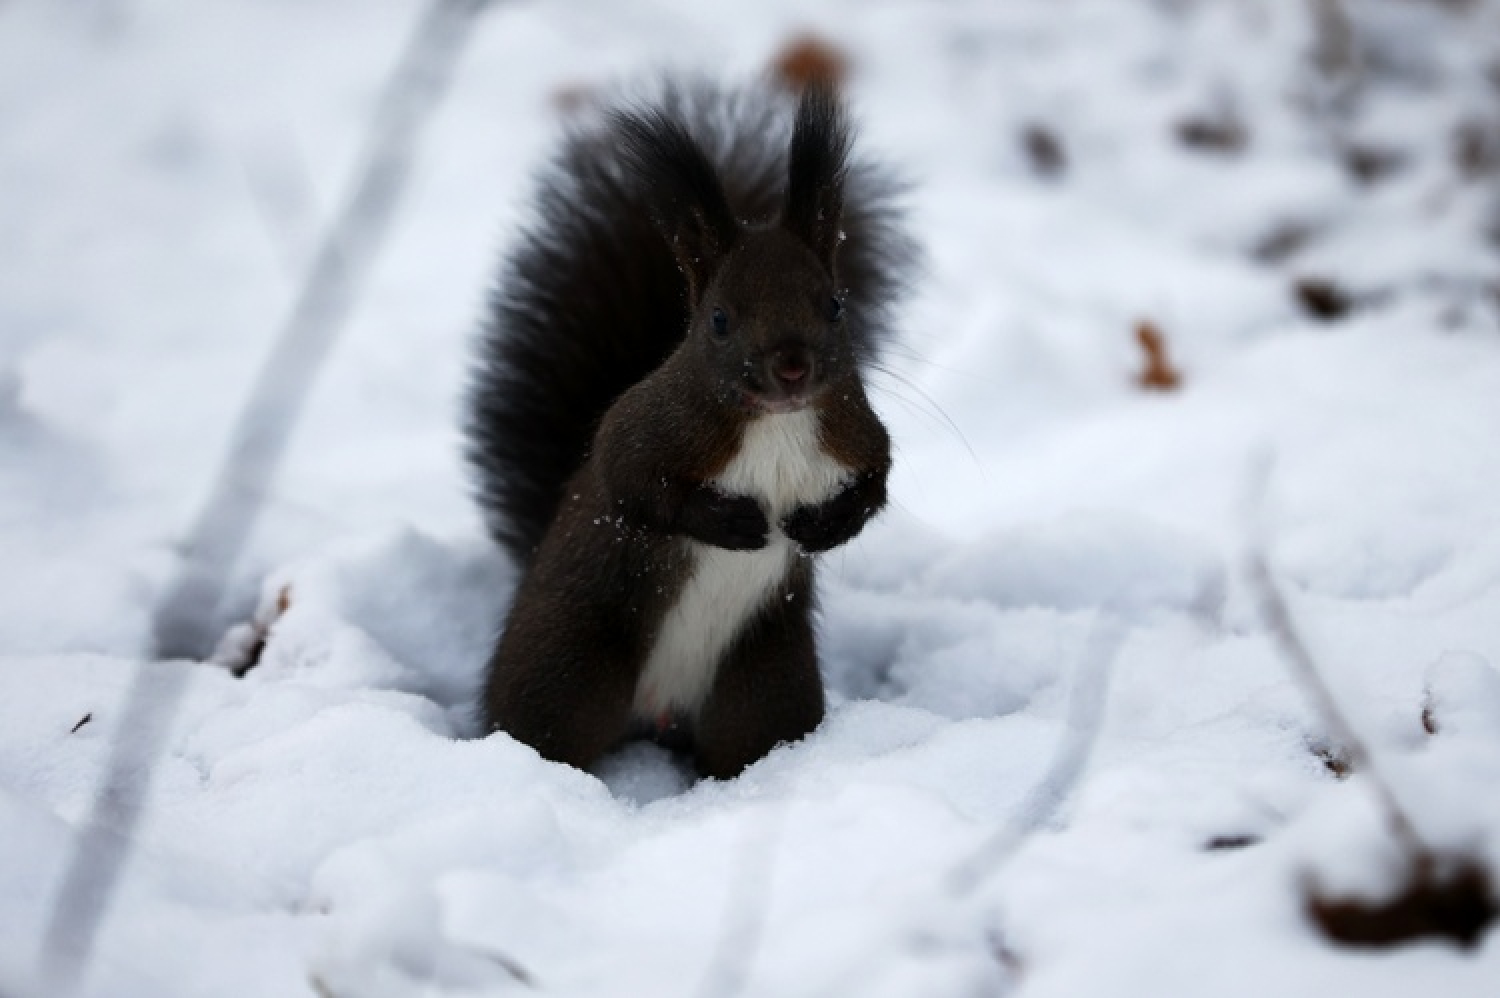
<point>669,416</point>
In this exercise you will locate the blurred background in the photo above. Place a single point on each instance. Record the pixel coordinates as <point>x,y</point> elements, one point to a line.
<point>1116,196</point>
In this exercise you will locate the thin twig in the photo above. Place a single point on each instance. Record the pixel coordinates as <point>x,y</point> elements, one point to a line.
<point>281,193</point>
<point>1086,707</point>
<point>1278,620</point>
<point>955,896</point>
<point>183,624</point>
<point>1277,617</point>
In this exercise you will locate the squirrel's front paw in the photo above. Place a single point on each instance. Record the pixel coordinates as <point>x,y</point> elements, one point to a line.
<point>831,523</point>
<point>733,522</point>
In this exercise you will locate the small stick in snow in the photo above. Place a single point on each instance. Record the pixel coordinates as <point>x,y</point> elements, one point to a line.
<point>1086,705</point>
<point>953,906</point>
<point>1278,619</point>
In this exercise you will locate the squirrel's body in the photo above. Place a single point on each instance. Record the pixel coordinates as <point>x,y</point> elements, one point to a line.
<point>669,416</point>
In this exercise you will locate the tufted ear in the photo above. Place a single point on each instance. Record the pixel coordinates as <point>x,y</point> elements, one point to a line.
<point>681,190</point>
<point>817,167</point>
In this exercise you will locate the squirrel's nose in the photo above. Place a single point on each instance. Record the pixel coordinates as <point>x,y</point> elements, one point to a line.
<point>791,368</point>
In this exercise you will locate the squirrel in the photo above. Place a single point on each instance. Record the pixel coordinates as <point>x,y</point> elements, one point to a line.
<point>668,417</point>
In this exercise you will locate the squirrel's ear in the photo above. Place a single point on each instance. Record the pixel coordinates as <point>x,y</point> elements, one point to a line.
<point>681,191</point>
<point>817,167</point>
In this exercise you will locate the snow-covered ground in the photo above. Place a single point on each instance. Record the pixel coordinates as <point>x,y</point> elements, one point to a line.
<point>326,825</point>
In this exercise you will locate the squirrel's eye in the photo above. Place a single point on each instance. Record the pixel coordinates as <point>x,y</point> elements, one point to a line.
<point>720,322</point>
<point>834,309</point>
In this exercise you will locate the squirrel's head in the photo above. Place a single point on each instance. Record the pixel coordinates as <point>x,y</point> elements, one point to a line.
<point>767,318</point>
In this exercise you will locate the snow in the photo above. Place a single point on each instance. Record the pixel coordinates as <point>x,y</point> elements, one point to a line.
<point>329,825</point>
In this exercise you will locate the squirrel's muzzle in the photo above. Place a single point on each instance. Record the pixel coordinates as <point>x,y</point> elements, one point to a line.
<point>784,379</point>
<point>791,369</point>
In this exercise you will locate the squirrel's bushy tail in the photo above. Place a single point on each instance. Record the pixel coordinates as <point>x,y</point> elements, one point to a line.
<point>591,299</point>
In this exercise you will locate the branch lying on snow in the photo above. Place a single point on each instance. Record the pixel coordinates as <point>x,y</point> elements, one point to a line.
<point>182,627</point>
<point>950,914</point>
<point>1355,753</point>
<point>1086,704</point>
<point>1448,896</point>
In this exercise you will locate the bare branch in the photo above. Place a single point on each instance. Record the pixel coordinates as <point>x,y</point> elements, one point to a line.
<point>184,620</point>
<point>185,617</point>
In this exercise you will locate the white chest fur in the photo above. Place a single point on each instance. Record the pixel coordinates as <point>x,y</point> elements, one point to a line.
<point>782,463</point>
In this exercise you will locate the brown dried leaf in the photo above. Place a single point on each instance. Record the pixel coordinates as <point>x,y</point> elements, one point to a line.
<point>1334,759</point>
<point>1322,299</point>
<point>807,59</point>
<point>1453,900</point>
<point>1370,164</point>
<point>1476,148</point>
<point>1159,374</point>
<point>1221,134</point>
<point>1044,150</point>
<point>1283,241</point>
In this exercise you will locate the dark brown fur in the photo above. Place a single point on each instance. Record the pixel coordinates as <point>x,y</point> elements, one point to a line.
<point>771,318</point>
